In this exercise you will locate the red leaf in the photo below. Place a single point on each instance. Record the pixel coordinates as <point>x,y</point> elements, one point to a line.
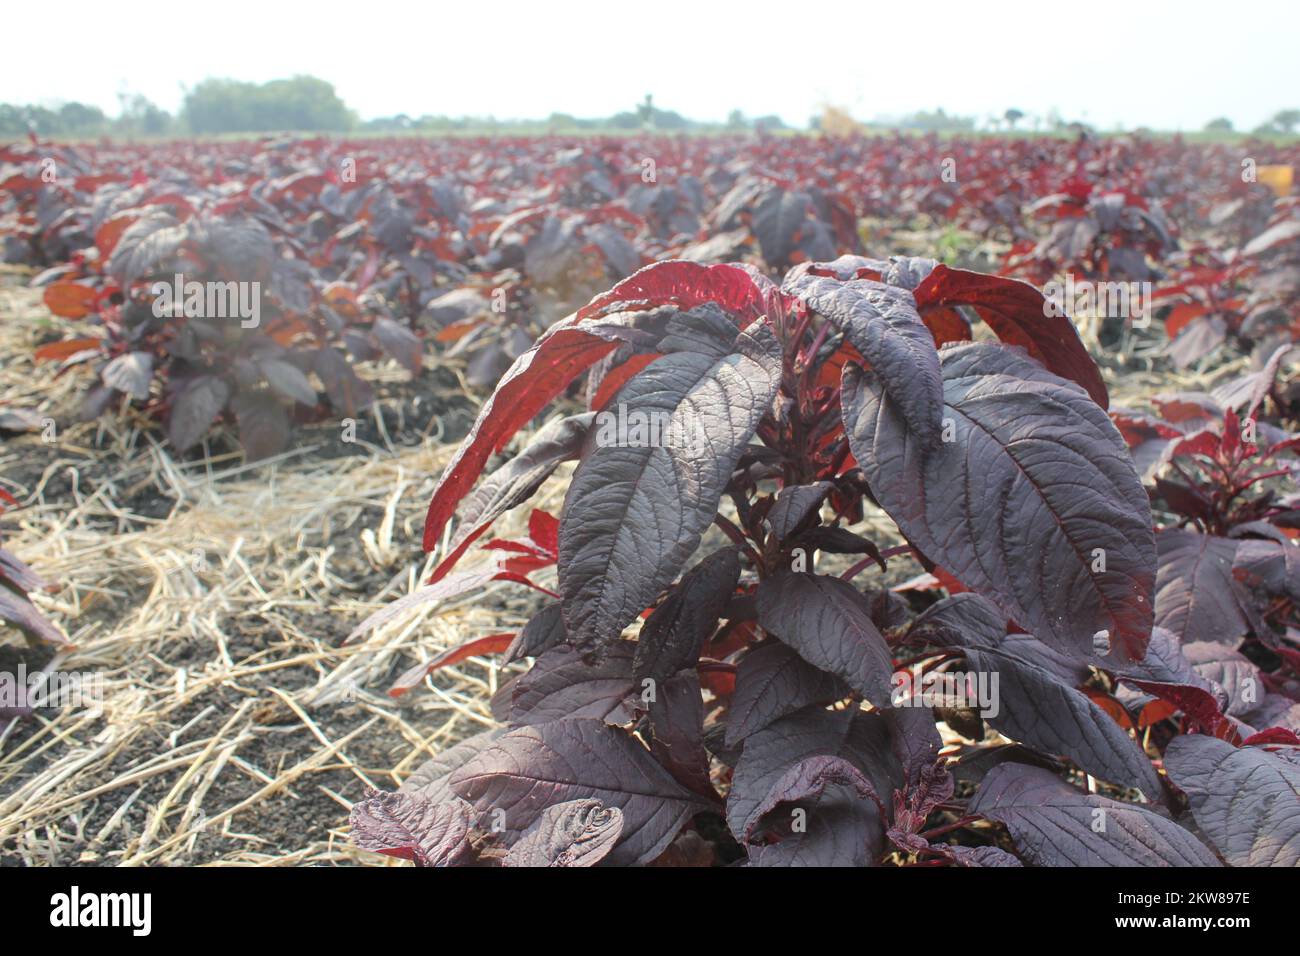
<point>687,284</point>
<point>946,325</point>
<point>1016,311</point>
<point>1181,314</point>
<point>70,300</point>
<point>458,330</point>
<point>1113,708</point>
<point>106,236</point>
<point>491,644</point>
<point>528,386</point>
<point>526,564</point>
<point>544,529</point>
<point>57,351</point>
<point>1274,735</point>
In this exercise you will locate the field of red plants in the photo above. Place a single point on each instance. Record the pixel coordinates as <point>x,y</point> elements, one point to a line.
<point>874,500</point>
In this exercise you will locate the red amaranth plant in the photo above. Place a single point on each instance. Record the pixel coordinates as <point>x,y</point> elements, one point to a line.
<point>17,580</point>
<point>765,709</point>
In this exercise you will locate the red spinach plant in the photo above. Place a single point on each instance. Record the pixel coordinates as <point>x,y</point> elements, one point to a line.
<point>1096,234</point>
<point>1223,476</point>
<point>204,305</point>
<point>17,580</point>
<point>763,711</point>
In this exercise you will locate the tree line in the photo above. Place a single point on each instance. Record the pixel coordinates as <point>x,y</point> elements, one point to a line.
<point>212,107</point>
<point>308,104</point>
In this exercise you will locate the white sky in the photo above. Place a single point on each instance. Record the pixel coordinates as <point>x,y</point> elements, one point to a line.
<point>1170,65</point>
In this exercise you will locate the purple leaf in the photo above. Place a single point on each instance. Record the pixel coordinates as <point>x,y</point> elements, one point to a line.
<point>636,512</point>
<point>566,681</point>
<point>287,380</point>
<point>784,222</point>
<point>130,373</point>
<point>838,829</point>
<point>978,856</point>
<point>1037,709</point>
<point>794,504</point>
<point>412,827</point>
<point>1271,567</point>
<point>263,425</point>
<point>196,407</point>
<point>544,630</point>
<point>1245,800</point>
<point>1197,598</point>
<point>147,245</point>
<point>531,768</point>
<point>808,779</point>
<point>828,622</point>
<point>400,343</point>
<point>1198,338</point>
<point>672,635</point>
<point>348,393</point>
<point>1055,824</point>
<point>514,483</point>
<point>1167,673</point>
<point>22,614</point>
<point>772,680</point>
<point>15,573</point>
<point>916,741</point>
<point>677,732</point>
<point>429,780</point>
<point>1225,668</point>
<point>574,833</point>
<point>1034,502</point>
<point>882,323</point>
<point>858,737</point>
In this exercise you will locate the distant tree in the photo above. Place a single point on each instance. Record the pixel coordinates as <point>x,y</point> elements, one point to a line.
<point>140,116</point>
<point>1286,120</point>
<point>70,119</point>
<point>79,118</point>
<point>671,119</point>
<point>736,120</point>
<point>219,106</point>
<point>938,120</point>
<point>300,103</point>
<point>1220,125</point>
<point>1013,116</point>
<point>12,122</point>
<point>654,119</point>
<point>303,102</point>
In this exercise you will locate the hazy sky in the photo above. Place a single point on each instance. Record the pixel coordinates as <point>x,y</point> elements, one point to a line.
<point>1167,65</point>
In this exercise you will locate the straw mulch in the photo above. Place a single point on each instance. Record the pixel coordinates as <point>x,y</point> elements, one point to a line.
<point>212,598</point>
